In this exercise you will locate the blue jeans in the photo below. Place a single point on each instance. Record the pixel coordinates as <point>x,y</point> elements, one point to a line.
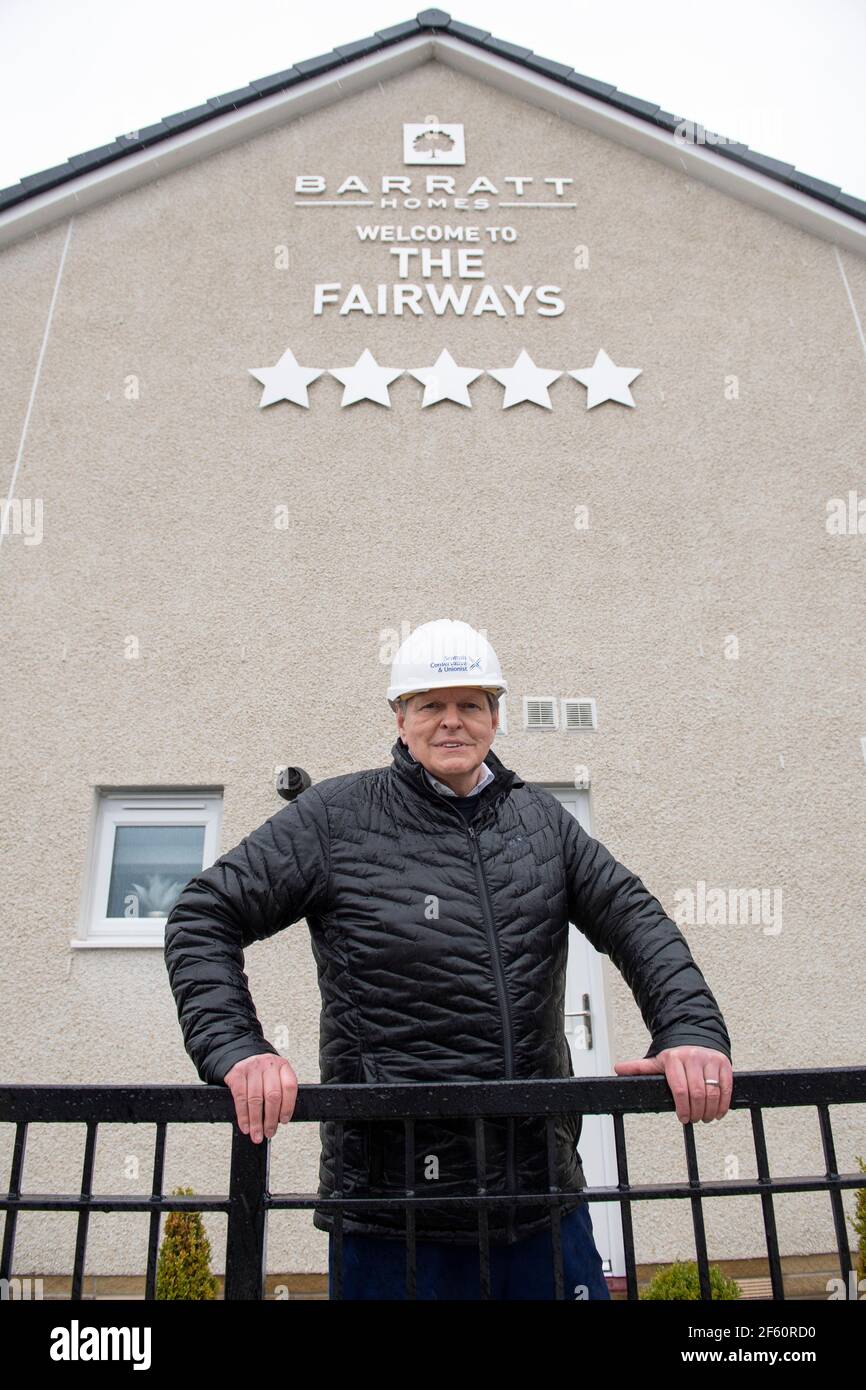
<point>374,1267</point>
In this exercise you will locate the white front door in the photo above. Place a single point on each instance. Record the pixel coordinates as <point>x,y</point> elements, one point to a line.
<point>586,1028</point>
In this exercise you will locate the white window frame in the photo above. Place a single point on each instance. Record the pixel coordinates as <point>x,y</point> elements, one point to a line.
<point>502,727</point>
<point>115,809</point>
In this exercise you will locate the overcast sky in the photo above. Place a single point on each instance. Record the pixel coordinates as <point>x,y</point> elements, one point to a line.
<point>784,76</point>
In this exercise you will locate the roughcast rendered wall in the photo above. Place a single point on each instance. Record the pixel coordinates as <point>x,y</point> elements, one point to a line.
<point>262,645</point>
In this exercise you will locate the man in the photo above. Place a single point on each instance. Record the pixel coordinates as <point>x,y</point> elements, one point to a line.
<point>438,892</point>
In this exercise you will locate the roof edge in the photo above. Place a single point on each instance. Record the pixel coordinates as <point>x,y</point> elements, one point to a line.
<point>133,145</point>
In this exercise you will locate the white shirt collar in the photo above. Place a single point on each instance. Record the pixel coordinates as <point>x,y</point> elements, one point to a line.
<point>486,776</point>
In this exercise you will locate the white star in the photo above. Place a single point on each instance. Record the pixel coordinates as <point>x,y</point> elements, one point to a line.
<point>445,381</point>
<point>287,381</point>
<point>606,382</point>
<point>524,381</point>
<point>366,380</point>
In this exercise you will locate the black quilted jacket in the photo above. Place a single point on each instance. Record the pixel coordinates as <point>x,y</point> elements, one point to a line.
<point>441,953</point>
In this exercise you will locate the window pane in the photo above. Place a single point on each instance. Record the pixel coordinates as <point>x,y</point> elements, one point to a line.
<point>149,867</point>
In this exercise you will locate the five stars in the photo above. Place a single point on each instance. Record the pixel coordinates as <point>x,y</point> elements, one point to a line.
<point>606,382</point>
<point>445,380</point>
<point>287,381</point>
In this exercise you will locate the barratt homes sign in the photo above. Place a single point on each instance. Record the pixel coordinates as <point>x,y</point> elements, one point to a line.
<point>434,264</point>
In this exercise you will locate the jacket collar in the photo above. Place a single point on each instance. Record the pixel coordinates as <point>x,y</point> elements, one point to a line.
<point>409,773</point>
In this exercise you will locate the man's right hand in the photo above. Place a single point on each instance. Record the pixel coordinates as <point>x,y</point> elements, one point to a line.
<point>264,1088</point>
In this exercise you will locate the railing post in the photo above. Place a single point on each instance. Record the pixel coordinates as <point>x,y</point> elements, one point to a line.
<point>246,1242</point>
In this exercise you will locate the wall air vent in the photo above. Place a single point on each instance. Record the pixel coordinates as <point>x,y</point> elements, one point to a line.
<point>578,714</point>
<point>539,712</point>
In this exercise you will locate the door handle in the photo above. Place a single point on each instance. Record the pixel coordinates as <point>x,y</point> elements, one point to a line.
<point>582,1031</point>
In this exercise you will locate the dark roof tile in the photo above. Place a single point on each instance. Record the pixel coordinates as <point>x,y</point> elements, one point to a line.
<point>44,179</point>
<point>360,46</point>
<point>276,81</point>
<point>817,186</point>
<point>548,66</point>
<point>468,31</point>
<point>666,119</point>
<point>148,133</point>
<point>321,63</point>
<point>635,105</point>
<point>589,84</point>
<point>239,97</point>
<point>734,149</point>
<point>399,31</point>
<point>849,203</point>
<point>508,50</point>
<point>93,158</point>
<point>182,120</point>
<point>764,164</point>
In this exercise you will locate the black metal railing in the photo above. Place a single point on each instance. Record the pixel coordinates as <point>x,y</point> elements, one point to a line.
<point>249,1201</point>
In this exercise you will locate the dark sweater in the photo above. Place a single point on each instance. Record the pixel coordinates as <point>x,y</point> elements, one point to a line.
<point>466,805</point>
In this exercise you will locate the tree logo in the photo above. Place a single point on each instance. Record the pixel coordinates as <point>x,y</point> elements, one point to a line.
<point>433,142</point>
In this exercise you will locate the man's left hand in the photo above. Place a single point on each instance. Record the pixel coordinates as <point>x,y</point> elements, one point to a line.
<point>687,1071</point>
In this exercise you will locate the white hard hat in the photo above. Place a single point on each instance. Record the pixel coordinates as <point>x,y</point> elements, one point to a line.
<point>444,653</point>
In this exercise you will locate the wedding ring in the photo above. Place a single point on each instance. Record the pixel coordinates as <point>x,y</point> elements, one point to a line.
<point>708,1081</point>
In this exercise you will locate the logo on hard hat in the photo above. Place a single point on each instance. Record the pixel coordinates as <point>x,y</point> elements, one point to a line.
<point>456,663</point>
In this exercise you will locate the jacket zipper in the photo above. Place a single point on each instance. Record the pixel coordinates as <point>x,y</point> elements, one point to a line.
<point>504,1006</point>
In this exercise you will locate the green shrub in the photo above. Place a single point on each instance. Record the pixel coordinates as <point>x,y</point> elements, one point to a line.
<point>859,1224</point>
<point>681,1280</point>
<point>183,1268</point>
